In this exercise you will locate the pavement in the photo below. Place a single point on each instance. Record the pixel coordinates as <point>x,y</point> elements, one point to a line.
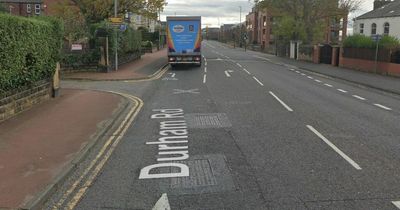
<point>41,147</point>
<point>384,83</point>
<point>143,68</point>
<point>253,134</point>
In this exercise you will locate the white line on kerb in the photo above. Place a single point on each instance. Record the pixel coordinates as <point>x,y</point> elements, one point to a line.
<point>337,150</point>
<point>319,81</point>
<point>255,78</point>
<point>239,65</point>
<point>280,101</point>
<point>383,107</point>
<point>247,71</point>
<point>359,97</point>
<point>396,203</point>
<point>205,78</point>
<point>343,91</point>
<point>328,85</point>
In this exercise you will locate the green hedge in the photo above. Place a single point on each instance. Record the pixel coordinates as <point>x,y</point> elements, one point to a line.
<point>29,50</point>
<point>361,41</point>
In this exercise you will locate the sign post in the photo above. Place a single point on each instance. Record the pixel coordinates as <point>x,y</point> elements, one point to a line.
<point>376,38</point>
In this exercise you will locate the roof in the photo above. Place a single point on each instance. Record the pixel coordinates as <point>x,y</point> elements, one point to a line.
<point>388,10</point>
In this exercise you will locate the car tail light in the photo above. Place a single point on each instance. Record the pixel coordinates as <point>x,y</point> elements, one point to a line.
<point>172,59</point>
<point>197,58</point>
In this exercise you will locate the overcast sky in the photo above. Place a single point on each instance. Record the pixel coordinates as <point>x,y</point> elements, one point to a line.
<point>218,12</point>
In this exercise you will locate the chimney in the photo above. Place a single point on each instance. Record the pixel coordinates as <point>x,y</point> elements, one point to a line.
<point>380,3</point>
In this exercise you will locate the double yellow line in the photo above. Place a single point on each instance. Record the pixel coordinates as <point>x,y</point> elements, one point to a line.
<point>79,187</point>
<point>154,76</point>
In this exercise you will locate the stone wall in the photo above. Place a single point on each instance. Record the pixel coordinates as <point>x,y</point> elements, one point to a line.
<point>15,102</point>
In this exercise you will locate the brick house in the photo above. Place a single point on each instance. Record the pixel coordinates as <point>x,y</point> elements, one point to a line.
<point>24,8</point>
<point>259,24</point>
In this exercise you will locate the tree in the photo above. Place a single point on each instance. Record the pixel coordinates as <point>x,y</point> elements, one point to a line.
<point>308,16</point>
<point>2,8</point>
<point>98,10</point>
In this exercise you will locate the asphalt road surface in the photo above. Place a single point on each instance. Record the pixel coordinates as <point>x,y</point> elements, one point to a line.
<point>246,132</point>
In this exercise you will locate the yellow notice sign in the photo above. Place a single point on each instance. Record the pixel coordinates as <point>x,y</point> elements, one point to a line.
<point>115,20</point>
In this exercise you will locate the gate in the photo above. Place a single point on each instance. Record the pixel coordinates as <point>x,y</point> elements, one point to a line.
<point>326,54</point>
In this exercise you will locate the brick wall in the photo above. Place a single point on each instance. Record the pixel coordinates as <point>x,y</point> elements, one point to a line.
<point>384,68</point>
<point>13,103</point>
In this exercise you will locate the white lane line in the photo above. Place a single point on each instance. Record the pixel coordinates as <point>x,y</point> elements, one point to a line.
<point>309,77</point>
<point>298,72</point>
<point>227,74</point>
<point>319,81</point>
<point>239,65</point>
<point>359,97</point>
<point>328,85</point>
<point>396,203</point>
<point>205,63</point>
<point>292,69</point>
<point>280,101</point>
<point>247,71</point>
<point>261,58</point>
<point>337,150</point>
<point>255,78</point>
<point>343,91</point>
<point>302,74</point>
<point>383,107</point>
<point>205,78</point>
<point>205,69</point>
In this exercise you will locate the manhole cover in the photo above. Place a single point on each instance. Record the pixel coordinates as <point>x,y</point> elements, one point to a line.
<point>201,174</point>
<point>212,120</point>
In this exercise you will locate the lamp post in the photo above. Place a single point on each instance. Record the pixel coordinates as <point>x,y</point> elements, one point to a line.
<point>116,35</point>
<point>240,25</point>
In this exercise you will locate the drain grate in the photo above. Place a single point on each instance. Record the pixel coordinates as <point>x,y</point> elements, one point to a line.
<point>212,120</point>
<point>201,175</point>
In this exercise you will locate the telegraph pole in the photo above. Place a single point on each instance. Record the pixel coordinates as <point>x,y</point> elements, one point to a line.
<point>116,35</point>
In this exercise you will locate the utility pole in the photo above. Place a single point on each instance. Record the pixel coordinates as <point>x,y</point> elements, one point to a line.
<point>116,35</point>
<point>240,25</point>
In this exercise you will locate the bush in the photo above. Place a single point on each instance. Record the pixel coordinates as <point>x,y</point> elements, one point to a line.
<point>29,50</point>
<point>361,41</point>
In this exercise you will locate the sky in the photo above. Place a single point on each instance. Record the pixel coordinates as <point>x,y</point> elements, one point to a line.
<point>218,12</point>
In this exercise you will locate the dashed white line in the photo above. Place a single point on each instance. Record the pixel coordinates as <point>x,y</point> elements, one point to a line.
<point>341,90</point>
<point>303,74</point>
<point>255,78</point>
<point>328,85</point>
<point>227,74</point>
<point>383,107</point>
<point>292,69</point>
<point>298,72</point>
<point>396,203</point>
<point>319,81</point>
<point>205,78</point>
<point>337,150</point>
<point>247,71</point>
<point>309,77</point>
<point>280,101</point>
<point>205,69</point>
<point>238,64</point>
<point>205,63</point>
<point>359,97</point>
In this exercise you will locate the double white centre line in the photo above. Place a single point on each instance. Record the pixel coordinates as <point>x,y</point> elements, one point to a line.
<point>337,150</point>
<point>280,101</point>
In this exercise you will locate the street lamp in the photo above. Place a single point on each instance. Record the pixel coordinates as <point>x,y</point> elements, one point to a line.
<point>240,25</point>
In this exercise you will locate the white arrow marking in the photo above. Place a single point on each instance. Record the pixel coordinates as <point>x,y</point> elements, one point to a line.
<point>227,73</point>
<point>172,74</point>
<point>162,203</point>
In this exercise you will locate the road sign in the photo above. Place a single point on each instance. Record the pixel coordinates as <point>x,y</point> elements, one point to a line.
<point>122,27</point>
<point>115,20</point>
<point>376,37</point>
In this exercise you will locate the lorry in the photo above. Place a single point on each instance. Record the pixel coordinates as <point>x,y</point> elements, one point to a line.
<point>184,40</point>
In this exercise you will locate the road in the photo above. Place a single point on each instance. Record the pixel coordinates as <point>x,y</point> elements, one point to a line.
<point>253,134</point>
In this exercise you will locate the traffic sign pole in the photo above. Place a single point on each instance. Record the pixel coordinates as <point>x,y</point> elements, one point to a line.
<point>116,35</point>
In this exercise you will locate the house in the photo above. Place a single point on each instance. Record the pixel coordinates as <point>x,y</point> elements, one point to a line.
<point>139,21</point>
<point>259,24</point>
<point>252,26</point>
<point>383,20</point>
<point>24,8</point>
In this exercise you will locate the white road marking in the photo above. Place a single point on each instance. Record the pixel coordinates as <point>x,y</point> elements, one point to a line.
<point>227,74</point>
<point>247,71</point>
<point>359,97</point>
<point>205,63</point>
<point>255,78</point>
<point>319,81</point>
<point>205,78</point>
<point>302,74</point>
<point>239,65</point>
<point>309,77</point>
<point>205,69</point>
<point>298,72</point>
<point>261,58</point>
<point>292,69</point>
<point>343,91</point>
<point>162,203</point>
<point>180,91</point>
<point>328,85</point>
<point>337,150</point>
<point>383,107</point>
<point>172,75</point>
<point>280,101</point>
<point>396,203</point>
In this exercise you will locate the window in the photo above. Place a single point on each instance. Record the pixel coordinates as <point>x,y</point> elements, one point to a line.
<point>28,8</point>
<point>373,29</point>
<point>386,29</point>
<point>37,9</point>
<point>361,28</point>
